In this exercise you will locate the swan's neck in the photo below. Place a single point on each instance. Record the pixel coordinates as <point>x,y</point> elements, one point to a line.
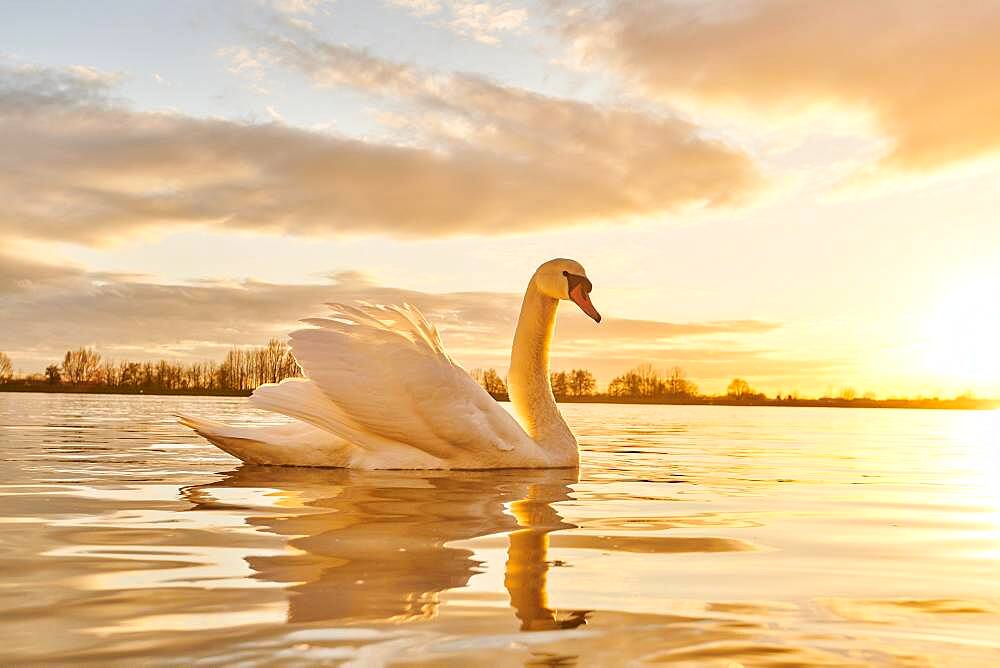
<point>528,381</point>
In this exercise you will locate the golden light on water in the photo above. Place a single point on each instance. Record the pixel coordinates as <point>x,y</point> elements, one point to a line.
<point>978,434</point>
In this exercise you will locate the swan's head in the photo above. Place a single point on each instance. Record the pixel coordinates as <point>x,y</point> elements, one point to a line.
<point>567,279</point>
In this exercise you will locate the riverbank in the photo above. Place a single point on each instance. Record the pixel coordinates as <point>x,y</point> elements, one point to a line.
<point>960,403</point>
<point>62,388</point>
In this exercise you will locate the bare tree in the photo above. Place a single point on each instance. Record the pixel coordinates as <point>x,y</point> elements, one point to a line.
<point>628,384</point>
<point>560,384</point>
<point>277,362</point>
<point>81,366</point>
<point>581,383</point>
<point>677,384</point>
<point>740,389</point>
<point>53,374</point>
<point>130,374</point>
<point>6,368</point>
<point>490,380</point>
<point>110,374</point>
<point>642,381</point>
<point>248,368</point>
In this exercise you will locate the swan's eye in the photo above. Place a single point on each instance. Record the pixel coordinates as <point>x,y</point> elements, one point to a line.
<point>565,273</point>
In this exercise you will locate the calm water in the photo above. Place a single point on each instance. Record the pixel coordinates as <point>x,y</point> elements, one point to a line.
<point>692,535</point>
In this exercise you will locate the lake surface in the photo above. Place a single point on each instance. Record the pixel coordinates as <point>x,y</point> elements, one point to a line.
<point>692,535</point>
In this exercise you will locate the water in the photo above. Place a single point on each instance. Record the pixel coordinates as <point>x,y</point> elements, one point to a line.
<point>693,535</point>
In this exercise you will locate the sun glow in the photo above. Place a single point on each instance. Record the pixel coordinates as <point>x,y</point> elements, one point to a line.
<point>961,339</point>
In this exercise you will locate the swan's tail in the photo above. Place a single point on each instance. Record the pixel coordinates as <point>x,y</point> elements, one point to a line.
<point>226,437</point>
<point>294,444</point>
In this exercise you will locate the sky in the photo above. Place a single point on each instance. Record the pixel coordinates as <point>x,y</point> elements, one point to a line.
<point>797,192</point>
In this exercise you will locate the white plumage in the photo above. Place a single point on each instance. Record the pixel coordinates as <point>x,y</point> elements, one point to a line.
<point>381,392</point>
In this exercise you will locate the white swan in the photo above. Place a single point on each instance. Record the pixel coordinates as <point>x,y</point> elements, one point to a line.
<point>381,393</point>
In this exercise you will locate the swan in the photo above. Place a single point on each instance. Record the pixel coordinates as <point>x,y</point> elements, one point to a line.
<point>380,392</point>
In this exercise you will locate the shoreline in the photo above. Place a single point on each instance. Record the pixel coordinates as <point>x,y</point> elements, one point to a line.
<point>925,404</point>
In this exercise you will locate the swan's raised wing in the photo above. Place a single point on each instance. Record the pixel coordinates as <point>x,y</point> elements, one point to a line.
<point>386,368</point>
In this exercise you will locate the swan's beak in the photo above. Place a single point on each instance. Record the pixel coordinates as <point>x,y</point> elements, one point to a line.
<point>581,297</point>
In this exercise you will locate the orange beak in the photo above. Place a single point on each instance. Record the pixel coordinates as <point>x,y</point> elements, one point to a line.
<point>581,298</point>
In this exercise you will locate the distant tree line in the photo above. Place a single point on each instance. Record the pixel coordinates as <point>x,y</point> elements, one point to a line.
<point>645,382</point>
<point>491,381</point>
<point>575,383</point>
<point>242,370</point>
<point>641,382</point>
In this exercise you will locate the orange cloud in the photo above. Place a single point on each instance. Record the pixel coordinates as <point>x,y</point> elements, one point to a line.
<point>78,167</point>
<point>925,69</point>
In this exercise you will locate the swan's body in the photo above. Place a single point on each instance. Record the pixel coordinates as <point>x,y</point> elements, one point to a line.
<point>381,393</point>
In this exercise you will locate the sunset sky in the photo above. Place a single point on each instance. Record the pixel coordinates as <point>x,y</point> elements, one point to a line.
<point>803,193</point>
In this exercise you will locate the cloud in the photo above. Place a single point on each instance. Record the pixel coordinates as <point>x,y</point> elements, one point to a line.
<point>18,275</point>
<point>274,114</point>
<point>418,7</point>
<point>484,21</point>
<point>245,62</point>
<point>26,89</point>
<point>79,166</point>
<point>648,162</point>
<point>298,7</point>
<point>329,64</point>
<point>477,20</point>
<point>924,69</point>
<point>48,309</point>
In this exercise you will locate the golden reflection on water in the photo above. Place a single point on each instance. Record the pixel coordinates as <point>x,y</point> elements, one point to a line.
<point>692,535</point>
<point>979,436</point>
<point>267,613</point>
<point>376,545</point>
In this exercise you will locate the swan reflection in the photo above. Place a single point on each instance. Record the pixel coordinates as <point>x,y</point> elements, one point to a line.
<point>375,545</point>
